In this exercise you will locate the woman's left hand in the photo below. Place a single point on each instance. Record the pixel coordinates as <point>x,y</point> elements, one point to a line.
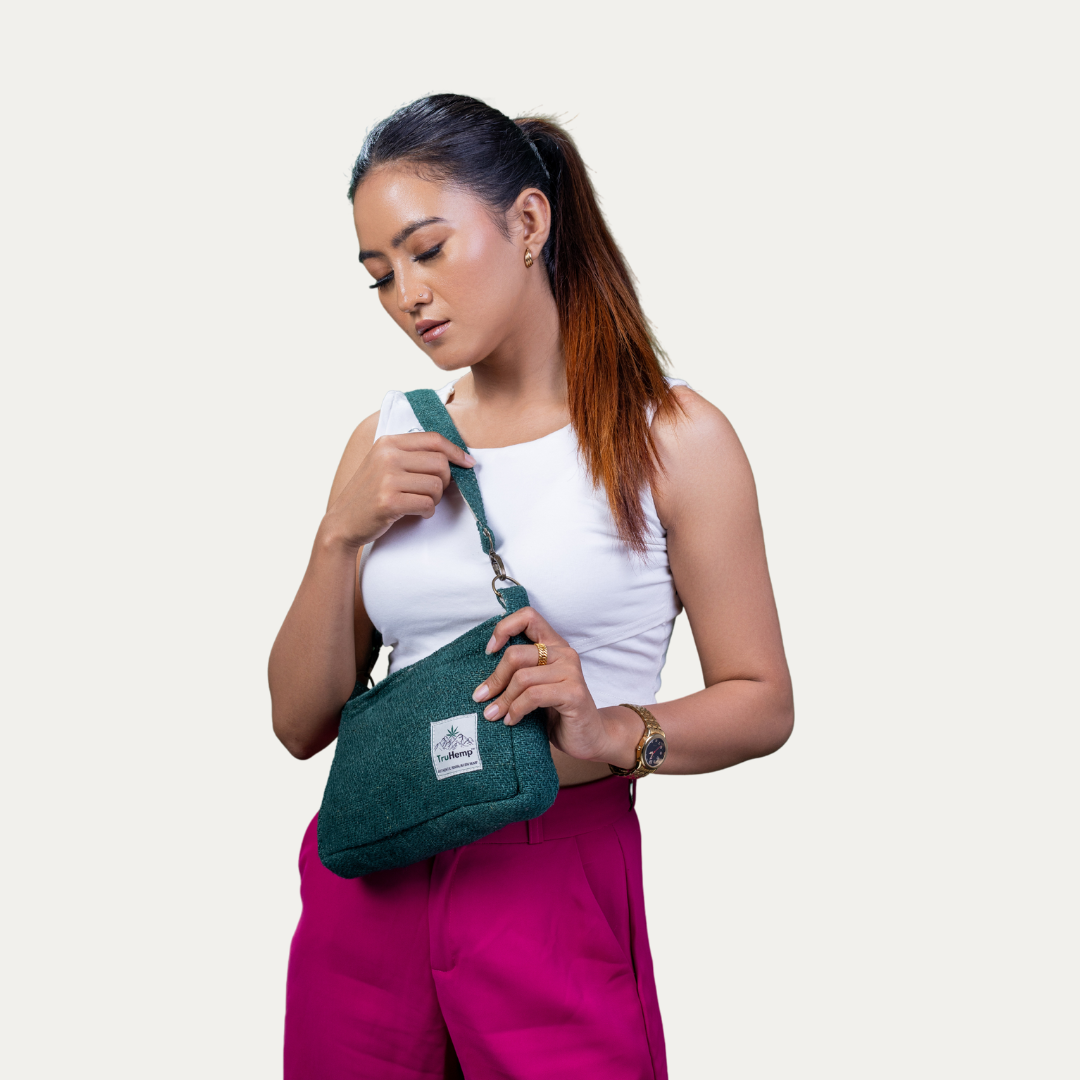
<point>519,685</point>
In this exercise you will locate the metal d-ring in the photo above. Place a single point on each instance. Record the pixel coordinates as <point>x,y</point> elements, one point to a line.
<point>502,577</point>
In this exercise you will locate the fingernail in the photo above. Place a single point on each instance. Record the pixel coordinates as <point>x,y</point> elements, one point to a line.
<point>490,646</point>
<point>491,711</point>
<point>469,459</point>
<point>481,693</point>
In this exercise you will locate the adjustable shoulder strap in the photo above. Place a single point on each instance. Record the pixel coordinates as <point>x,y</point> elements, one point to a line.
<point>432,414</point>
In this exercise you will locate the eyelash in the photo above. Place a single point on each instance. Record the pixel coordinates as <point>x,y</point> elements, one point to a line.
<point>423,257</point>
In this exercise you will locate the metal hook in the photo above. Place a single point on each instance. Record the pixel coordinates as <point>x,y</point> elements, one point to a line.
<point>498,595</point>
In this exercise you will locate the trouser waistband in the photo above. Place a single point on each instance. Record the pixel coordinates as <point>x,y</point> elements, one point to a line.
<point>575,810</point>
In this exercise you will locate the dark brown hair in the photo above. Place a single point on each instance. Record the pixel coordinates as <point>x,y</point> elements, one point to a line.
<point>614,375</point>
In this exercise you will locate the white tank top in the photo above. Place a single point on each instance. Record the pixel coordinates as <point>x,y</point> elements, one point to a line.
<point>427,581</point>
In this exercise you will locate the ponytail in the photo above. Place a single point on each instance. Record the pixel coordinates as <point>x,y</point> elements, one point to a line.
<point>614,378</point>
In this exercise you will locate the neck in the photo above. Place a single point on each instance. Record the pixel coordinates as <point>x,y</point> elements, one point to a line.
<point>518,392</point>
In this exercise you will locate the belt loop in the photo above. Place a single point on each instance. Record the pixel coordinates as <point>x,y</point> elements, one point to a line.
<point>633,793</point>
<point>536,830</point>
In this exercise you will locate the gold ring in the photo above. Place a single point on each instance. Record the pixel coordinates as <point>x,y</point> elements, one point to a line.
<point>541,650</point>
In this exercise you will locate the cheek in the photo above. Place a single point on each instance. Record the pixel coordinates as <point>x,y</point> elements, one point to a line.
<point>483,282</point>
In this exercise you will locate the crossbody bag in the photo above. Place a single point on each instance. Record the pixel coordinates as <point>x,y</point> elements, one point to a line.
<point>417,770</point>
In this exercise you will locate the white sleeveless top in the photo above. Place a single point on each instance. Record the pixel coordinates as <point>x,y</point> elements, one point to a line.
<point>427,581</point>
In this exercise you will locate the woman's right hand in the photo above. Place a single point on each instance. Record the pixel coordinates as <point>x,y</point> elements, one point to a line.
<point>399,475</point>
<point>326,636</point>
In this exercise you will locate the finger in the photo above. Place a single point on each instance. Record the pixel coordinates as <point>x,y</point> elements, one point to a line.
<point>433,441</point>
<point>526,702</point>
<point>424,461</point>
<point>527,621</point>
<point>516,658</point>
<point>528,690</point>
<point>417,505</point>
<point>421,484</point>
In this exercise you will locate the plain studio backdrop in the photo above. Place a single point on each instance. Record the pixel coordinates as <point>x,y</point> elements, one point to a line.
<point>855,230</point>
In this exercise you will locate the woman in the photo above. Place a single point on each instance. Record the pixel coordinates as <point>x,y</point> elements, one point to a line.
<point>615,496</point>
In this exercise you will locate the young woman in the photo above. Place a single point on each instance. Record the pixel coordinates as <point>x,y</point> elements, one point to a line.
<point>617,497</point>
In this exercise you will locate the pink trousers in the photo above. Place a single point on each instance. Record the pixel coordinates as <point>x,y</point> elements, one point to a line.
<point>521,956</point>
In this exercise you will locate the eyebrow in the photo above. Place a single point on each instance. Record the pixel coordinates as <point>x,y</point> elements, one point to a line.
<point>403,235</point>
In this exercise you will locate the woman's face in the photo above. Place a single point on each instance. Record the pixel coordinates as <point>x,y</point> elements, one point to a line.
<point>444,271</point>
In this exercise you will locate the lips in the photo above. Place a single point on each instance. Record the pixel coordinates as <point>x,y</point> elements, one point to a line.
<point>430,329</point>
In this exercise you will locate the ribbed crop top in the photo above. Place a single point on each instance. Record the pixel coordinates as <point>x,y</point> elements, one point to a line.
<point>427,581</point>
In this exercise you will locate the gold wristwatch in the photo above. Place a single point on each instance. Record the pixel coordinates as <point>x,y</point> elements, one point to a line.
<point>652,749</point>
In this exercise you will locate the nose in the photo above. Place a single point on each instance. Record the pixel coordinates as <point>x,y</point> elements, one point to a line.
<point>411,293</point>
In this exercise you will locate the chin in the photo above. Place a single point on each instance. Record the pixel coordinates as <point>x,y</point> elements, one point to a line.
<point>446,362</point>
<point>452,359</point>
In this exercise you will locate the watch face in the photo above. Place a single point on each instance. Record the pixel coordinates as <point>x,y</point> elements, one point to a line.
<point>654,753</point>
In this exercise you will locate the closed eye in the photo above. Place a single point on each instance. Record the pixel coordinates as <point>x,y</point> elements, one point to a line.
<point>422,257</point>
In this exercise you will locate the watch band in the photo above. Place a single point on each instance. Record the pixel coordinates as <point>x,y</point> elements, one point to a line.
<point>652,730</point>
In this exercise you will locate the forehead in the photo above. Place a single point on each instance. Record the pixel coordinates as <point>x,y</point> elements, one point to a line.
<point>392,197</point>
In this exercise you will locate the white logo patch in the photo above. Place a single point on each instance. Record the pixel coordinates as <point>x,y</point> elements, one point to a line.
<point>454,749</point>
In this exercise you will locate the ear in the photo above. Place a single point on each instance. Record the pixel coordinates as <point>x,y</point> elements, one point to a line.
<point>534,220</point>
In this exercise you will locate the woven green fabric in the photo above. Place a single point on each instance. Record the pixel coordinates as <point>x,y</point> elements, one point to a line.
<point>384,805</point>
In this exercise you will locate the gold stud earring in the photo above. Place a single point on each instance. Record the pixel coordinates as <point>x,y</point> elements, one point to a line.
<point>528,257</point>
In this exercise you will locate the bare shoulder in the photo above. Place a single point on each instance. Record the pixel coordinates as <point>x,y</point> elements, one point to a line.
<point>697,436</point>
<point>356,449</point>
<point>701,456</point>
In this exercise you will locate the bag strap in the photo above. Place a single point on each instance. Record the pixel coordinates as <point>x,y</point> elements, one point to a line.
<point>432,414</point>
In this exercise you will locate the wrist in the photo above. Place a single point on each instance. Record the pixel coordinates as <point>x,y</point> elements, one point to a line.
<point>622,733</point>
<point>335,539</point>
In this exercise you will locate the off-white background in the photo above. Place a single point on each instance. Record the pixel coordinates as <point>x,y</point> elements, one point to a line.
<point>855,227</point>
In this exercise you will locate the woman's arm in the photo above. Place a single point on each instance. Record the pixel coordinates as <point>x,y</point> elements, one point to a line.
<point>325,638</point>
<point>707,502</point>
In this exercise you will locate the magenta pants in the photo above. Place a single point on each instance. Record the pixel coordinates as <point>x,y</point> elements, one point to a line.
<point>522,955</point>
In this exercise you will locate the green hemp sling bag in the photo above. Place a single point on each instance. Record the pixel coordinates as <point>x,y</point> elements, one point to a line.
<point>417,770</point>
